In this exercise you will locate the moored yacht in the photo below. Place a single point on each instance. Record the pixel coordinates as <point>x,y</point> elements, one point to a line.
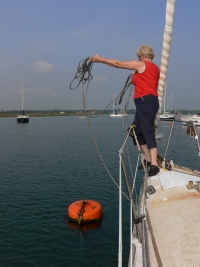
<point>167,116</point>
<point>115,114</point>
<point>23,118</point>
<point>190,118</point>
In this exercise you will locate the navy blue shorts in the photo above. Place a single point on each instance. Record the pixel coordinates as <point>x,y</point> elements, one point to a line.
<point>146,109</point>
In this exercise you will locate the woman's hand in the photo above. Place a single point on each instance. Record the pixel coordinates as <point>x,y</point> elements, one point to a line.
<point>96,58</point>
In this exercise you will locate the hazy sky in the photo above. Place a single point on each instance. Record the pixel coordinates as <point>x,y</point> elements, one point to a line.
<point>49,38</point>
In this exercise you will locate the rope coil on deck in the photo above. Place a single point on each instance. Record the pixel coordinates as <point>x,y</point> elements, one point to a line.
<point>151,190</point>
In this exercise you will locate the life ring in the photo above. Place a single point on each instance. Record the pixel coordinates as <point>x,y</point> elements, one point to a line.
<point>84,211</point>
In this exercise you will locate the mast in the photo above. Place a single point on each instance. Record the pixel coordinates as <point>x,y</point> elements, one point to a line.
<point>165,55</point>
<point>114,104</point>
<point>22,90</point>
<point>164,98</point>
<point>172,101</point>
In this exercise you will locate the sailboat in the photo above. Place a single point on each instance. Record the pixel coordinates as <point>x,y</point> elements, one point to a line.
<point>23,118</point>
<point>166,115</point>
<point>123,111</point>
<point>115,114</point>
<point>165,220</point>
<point>195,118</point>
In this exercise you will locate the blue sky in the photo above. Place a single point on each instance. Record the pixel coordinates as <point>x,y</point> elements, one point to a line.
<point>49,38</point>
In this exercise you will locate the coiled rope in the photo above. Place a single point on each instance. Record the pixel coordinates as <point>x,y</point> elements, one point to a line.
<point>151,190</point>
<point>84,68</point>
<point>83,75</point>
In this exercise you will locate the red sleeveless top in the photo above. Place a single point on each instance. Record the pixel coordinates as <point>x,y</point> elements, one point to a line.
<point>146,83</point>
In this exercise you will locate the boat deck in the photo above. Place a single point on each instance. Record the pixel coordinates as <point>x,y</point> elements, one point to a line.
<point>174,213</point>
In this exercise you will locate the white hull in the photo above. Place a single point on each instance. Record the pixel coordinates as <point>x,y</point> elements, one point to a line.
<point>195,123</point>
<point>116,115</point>
<point>193,118</point>
<point>23,118</point>
<point>167,117</point>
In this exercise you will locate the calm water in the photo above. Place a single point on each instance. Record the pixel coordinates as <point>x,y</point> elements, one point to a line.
<point>50,163</point>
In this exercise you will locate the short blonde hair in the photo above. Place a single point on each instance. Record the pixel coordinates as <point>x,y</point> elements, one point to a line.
<point>145,50</point>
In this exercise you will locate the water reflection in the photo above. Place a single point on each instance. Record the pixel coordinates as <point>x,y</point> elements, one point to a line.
<point>83,227</point>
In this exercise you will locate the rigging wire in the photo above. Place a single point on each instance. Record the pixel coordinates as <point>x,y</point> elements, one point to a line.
<point>128,83</point>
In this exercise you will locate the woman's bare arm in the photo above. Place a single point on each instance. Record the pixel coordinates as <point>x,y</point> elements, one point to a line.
<point>130,65</point>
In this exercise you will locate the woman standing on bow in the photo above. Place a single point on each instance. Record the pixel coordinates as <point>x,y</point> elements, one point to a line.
<point>145,81</point>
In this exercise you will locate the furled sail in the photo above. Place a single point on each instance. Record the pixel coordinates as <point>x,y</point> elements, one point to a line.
<point>170,8</point>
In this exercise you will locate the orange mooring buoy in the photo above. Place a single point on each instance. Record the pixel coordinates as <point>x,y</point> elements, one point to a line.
<point>85,211</point>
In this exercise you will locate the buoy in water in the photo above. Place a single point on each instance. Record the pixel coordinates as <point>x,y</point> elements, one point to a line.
<point>85,211</point>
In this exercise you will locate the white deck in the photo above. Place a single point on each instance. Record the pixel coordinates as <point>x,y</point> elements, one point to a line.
<point>174,213</point>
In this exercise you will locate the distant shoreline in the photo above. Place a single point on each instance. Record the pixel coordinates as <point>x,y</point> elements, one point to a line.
<point>55,113</point>
<point>36,115</point>
<point>77,113</point>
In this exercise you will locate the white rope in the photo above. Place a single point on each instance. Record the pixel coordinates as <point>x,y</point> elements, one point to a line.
<point>170,8</point>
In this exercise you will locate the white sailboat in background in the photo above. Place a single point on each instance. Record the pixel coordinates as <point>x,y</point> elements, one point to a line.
<point>115,114</point>
<point>167,115</point>
<point>23,118</point>
<point>194,118</point>
<point>123,111</point>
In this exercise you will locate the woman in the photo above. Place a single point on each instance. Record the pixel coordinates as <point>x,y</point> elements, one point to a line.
<point>145,81</point>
